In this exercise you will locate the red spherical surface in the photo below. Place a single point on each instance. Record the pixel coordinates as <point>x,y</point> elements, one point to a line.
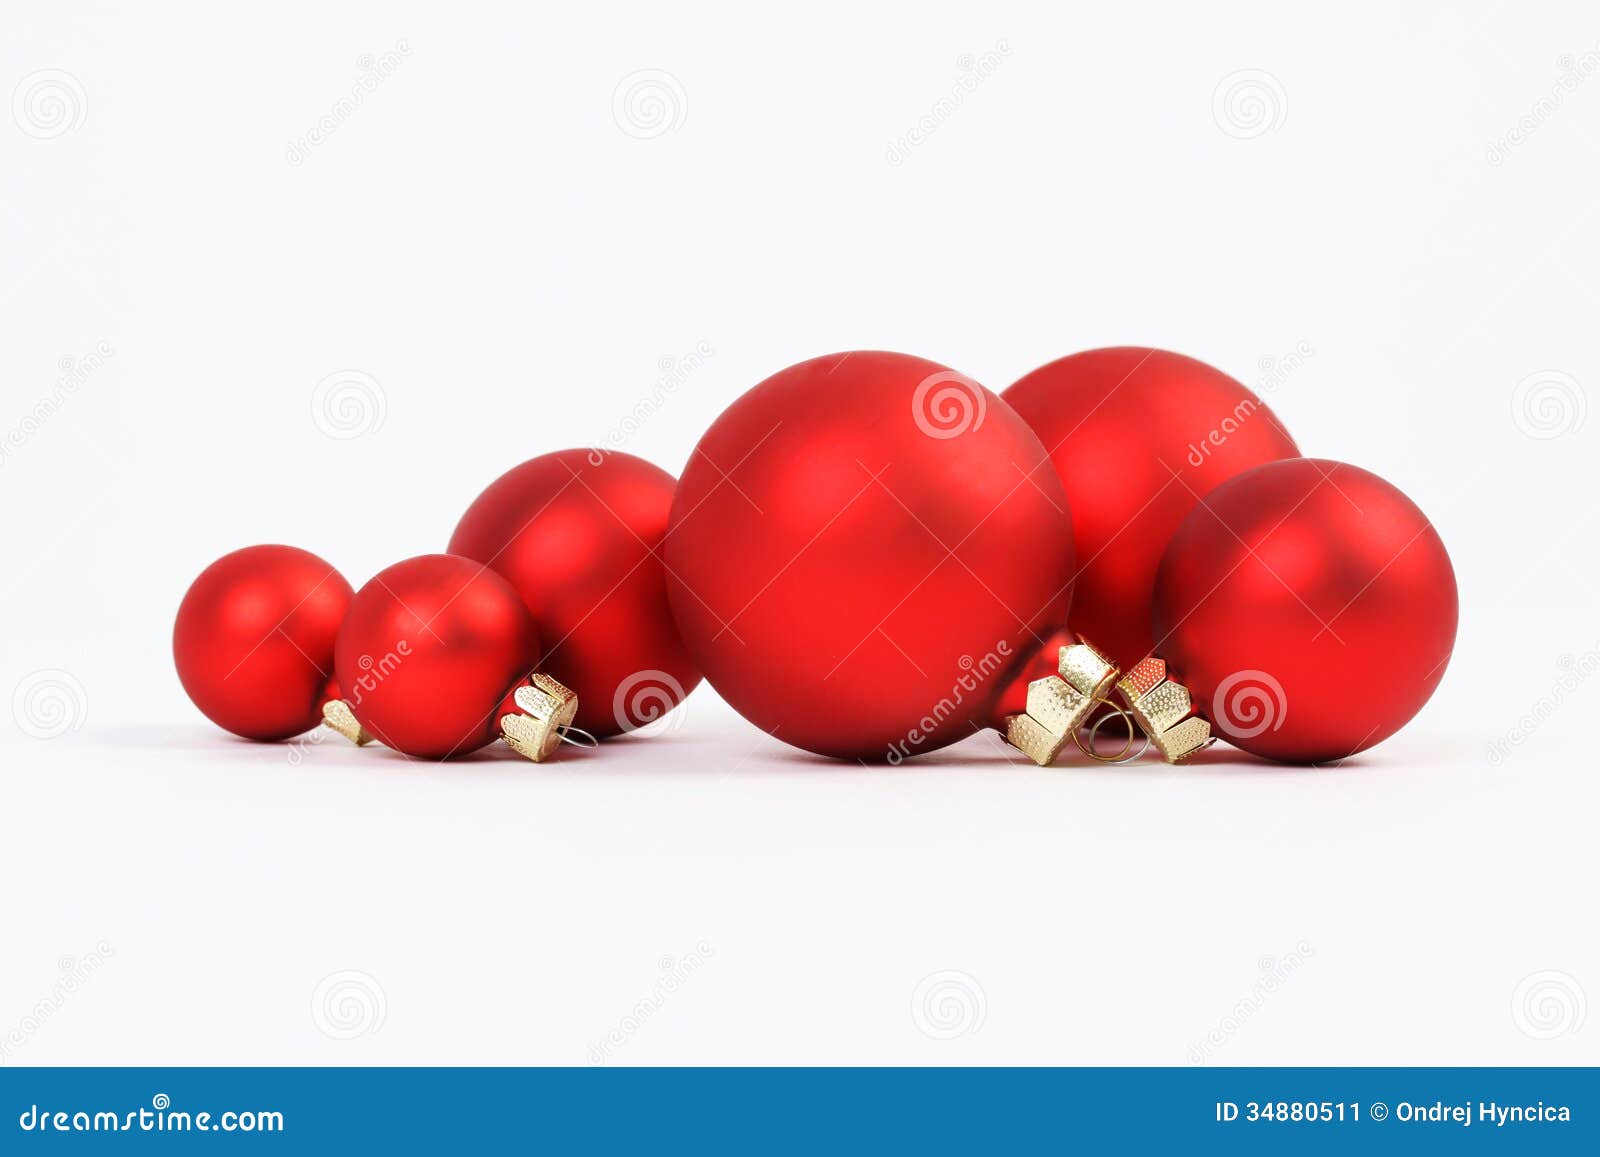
<point>253,641</point>
<point>431,652</point>
<point>1138,436</point>
<point>1310,608</point>
<point>864,551</point>
<point>577,534</point>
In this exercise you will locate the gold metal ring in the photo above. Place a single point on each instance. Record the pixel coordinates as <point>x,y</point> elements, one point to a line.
<point>1127,754</point>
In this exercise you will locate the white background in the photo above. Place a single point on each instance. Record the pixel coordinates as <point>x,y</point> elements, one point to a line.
<point>510,256</point>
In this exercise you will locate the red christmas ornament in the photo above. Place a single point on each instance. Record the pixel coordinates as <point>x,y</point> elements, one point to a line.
<point>577,534</point>
<point>254,637</point>
<point>1138,436</point>
<point>865,553</point>
<point>434,658</point>
<point>1309,607</point>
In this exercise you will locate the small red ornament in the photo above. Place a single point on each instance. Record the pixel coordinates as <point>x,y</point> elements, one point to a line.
<point>253,641</point>
<point>1309,607</point>
<point>577,533</point>
<point>1138,436</point>
<point>434,656</point>
<point>866,551</point>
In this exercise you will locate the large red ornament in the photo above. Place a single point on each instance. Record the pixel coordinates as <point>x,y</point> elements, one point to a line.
<point>866,551</point>
<point>577,533</point>
<point>1138,436</point>
<point>431,653</point>
<point>1309,607</point>
<point>253,641</point>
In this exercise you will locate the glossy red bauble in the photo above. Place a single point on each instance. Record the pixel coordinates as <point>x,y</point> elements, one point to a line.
<point>1309,606</point>
<point>430,653</point>
<point>253,641</point>
<point>577,534</point>
<point>865,549</point>
<point>1138,436</point>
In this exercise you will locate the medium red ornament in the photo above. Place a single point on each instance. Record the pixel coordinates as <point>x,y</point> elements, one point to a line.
<point>432,654</point>
<point>253,641</point>
<point>577,533</point>
<point>1309,607</point>
<point>1138,436</point>
<point>866,551</point>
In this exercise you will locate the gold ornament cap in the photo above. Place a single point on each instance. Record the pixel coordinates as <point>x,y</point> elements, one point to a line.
<point>336,714</point>
<point>1163,710</point>
<point>1058,704</point>
<point>547,711</point>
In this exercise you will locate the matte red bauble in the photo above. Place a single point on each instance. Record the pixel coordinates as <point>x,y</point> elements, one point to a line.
<point>865,550</point>
<point>253,641</point>
<point>1138,436</point>
<point>577,533</point>
<point>431,654</point>
<point>1309,607</point>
